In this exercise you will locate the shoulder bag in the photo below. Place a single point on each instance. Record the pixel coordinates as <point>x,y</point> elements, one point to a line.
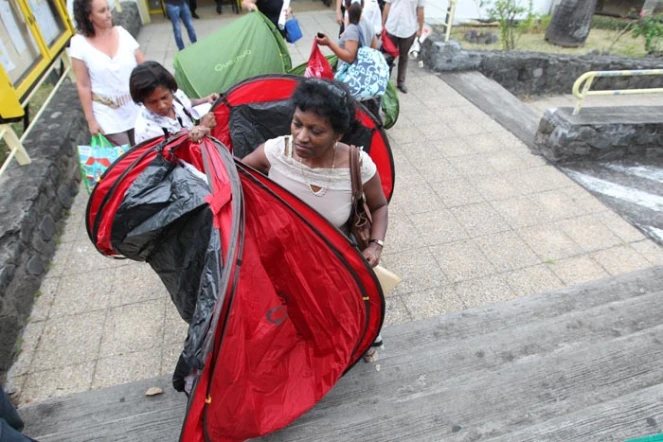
<point>360,221</point>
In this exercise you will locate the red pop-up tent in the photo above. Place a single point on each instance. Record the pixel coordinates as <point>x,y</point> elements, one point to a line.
<point>279,303</point>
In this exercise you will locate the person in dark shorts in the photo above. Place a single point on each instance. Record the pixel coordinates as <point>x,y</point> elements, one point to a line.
<point>270,8</point>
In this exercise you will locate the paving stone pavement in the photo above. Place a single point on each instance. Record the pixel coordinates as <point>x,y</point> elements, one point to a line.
<point>475,219</point>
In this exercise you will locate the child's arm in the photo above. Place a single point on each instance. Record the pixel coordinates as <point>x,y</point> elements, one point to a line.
<point>211,98</point>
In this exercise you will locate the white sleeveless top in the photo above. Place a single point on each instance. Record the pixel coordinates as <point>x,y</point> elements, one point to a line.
<point>336,204</point>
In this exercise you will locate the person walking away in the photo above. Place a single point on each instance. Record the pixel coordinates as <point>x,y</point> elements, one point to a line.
<point>372,13</point>
<point>179,10</point>
<point>193,5</point>
<point>404,21</point>
<point>103,56</point>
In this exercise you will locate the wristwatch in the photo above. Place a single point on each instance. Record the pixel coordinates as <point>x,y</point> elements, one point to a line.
<point>377,241</point>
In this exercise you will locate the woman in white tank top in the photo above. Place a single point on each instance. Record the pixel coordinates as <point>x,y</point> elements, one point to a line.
<point>313,164</point>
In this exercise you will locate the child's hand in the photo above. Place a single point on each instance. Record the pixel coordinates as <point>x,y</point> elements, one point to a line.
<point>208,120</point>
<point>198,132</point>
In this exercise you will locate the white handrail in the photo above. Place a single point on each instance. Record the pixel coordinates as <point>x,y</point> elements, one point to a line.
<point>584,83</point>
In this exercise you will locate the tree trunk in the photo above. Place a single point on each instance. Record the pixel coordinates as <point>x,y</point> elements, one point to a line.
<point>650,7</point>
<point>570,23</point>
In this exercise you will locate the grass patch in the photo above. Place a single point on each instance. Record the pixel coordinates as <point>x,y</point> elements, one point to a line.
<point>598,39</point>
<point>35,104</point>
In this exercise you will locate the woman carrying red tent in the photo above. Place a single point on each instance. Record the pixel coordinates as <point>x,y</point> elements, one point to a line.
<point>314,165</point>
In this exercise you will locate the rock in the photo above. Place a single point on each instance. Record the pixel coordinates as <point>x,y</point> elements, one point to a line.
<point>480,37</point>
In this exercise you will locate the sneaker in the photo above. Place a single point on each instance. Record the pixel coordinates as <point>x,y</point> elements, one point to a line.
<point>402,88</point>
<point>194,15</point>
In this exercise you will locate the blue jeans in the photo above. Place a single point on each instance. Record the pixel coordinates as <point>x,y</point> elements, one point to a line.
<point>175,12</point>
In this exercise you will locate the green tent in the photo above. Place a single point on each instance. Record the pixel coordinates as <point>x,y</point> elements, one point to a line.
<point>245,48</point>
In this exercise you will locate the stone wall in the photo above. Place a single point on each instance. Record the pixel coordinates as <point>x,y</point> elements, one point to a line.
<point>129,18</point>
<point>536,73</point>
<point>34,200</point>
<point>601,133</point>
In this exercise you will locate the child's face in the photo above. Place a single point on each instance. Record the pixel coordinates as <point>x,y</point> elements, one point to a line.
<point>160,101</point>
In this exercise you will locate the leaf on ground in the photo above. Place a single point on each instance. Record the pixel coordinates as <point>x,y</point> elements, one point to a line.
<point>153,391</point>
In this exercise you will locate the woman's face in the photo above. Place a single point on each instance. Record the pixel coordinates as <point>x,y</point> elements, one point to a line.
<point>312,134</point>
<point>159,101</point>
<point>101,16</point>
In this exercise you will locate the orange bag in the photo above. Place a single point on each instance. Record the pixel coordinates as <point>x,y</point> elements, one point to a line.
<point>318,66</point>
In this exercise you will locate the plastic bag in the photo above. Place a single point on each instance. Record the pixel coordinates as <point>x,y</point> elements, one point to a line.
<point>390,105</point>
<point>96,158</point>
<point>318,65</point>
<point>388,46</point>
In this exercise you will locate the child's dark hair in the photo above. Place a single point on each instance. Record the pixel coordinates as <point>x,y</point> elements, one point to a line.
<point>148,76</point>
<point>328,99</point>
<point>354,10</point>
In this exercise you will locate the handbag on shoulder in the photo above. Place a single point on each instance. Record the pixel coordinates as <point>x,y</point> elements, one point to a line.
<point>360,221</point>
<point>367,76</point>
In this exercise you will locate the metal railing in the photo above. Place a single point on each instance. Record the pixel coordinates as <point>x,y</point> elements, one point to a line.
<point>584,83</point>
<point>449,20</point>
<point>7,133</point>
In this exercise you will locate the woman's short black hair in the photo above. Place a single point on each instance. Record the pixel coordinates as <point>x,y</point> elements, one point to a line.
<point>328,99</point>
<point>148,76</point>
<point>82,11</point>
<point>354,10</point>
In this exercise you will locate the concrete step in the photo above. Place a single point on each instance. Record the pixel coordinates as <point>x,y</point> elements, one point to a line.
<point>554,366</point>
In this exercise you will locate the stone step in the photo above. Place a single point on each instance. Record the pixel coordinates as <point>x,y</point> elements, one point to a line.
<point>527,369</point>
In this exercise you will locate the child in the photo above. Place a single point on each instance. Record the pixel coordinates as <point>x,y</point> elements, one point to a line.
<point>165,110</point>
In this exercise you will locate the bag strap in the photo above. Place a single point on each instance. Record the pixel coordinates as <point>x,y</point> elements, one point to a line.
<point>355,174</point>
<point>185,110</point>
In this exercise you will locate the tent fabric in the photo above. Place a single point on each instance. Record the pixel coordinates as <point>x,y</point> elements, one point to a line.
<point>246,47</point>
<point>281,303</point>
<point>259,108</point>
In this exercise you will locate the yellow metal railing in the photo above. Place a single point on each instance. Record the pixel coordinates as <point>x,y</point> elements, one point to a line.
<point>14,143</point>
<point>584,83</point>
<point>449,20</point>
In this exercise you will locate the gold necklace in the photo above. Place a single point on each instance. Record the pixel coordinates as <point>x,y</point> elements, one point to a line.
<point>323,190</point>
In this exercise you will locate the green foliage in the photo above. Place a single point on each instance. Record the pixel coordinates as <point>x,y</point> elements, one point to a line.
<point>609,23</point>
<point>505,13</point>
<point>650,27</point>
<point>534,24</point>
